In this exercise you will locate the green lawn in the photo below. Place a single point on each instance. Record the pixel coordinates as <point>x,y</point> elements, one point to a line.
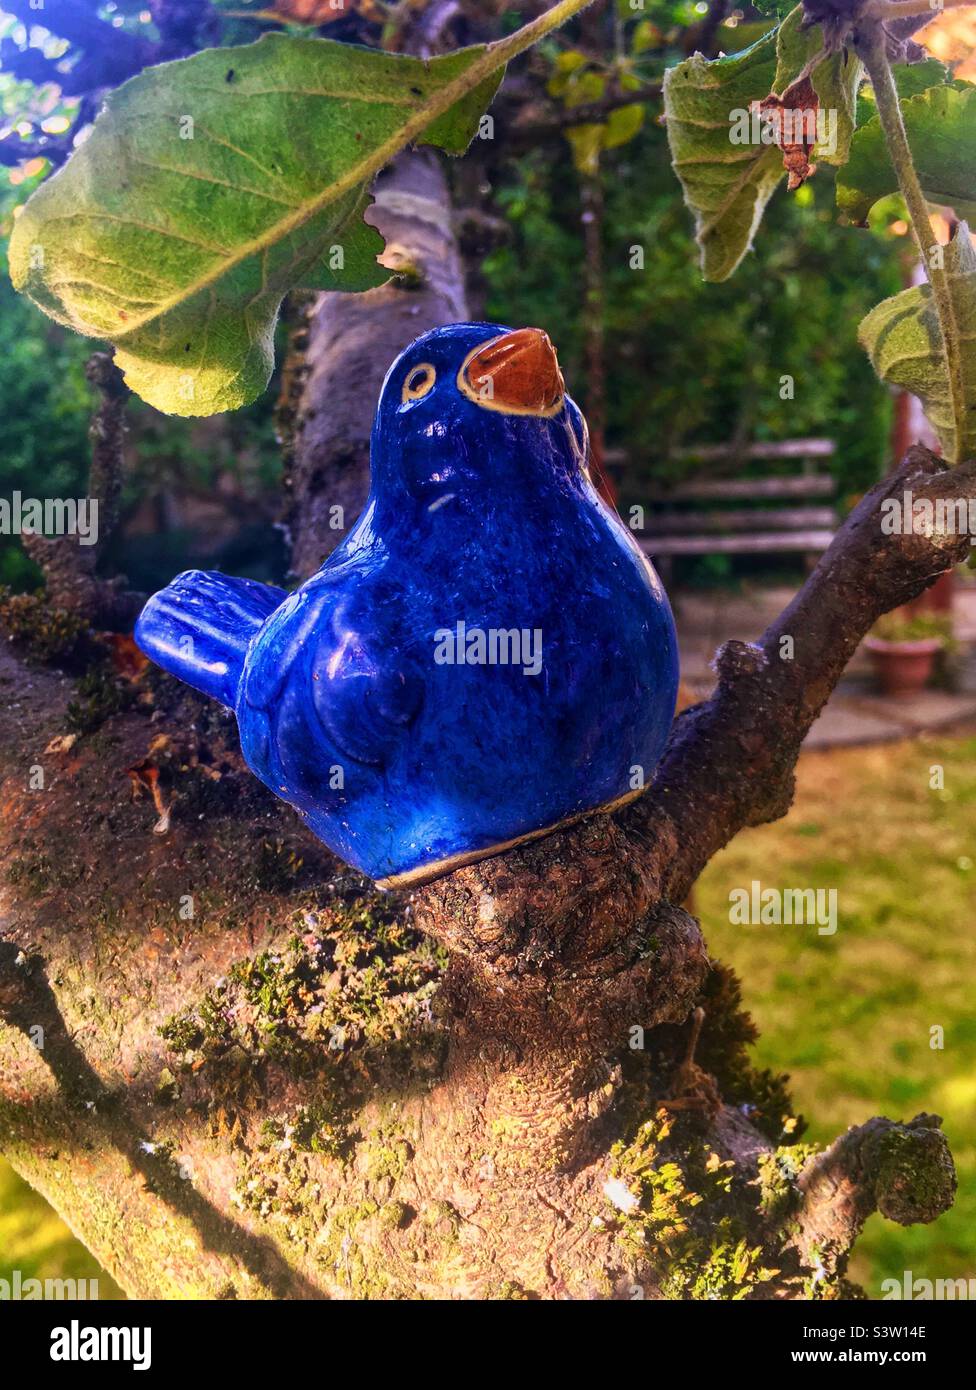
<point>849,1015</point>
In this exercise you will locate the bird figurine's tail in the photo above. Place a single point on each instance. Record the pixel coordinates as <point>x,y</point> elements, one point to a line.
<point>198,628</point>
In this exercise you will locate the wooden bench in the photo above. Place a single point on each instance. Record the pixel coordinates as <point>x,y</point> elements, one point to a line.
<point>791,513</point>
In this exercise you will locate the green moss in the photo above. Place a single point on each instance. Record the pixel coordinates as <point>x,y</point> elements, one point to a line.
<point>100,694</point>
<point>213,1015</point>
<point>914,1174</point>
<point>512,1292</point>
<point>778,1172</point>
<point>167,1087</point>
<point>442,1220</point>
<point>322,1127</point>
<point>389,1155</point>
<point>725,1267</point>
<point>269,983</point>
<point>48,634</point>
<point>341,1251</point>
<point>683,1224</point>
<point>36,874</point>
<point>182,1032</point>
<point>396,1216</point>
<point>365,981</point>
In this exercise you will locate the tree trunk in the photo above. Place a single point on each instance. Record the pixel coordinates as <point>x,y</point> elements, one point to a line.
<point>343,351</point>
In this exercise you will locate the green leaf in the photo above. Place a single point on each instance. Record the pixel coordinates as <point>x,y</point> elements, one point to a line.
<point>565,65</point>
<point>586,142</point>
<point>903,340</point>
<point>941,127</point>
<point>727,185</point>
<point>646,36</point>
<point>211,186</point>
<point>622,125</point>
<point>910,79</point>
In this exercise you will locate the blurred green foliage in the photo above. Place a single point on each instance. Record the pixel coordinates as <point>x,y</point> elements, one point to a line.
<point>45,407</point>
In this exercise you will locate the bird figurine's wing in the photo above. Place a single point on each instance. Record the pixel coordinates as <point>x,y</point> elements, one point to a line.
<point>335,657</point>
<point>366,698</point>
<point>198,628</point>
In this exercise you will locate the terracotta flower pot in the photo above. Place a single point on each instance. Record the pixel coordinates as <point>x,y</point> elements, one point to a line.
<point>903,668</point>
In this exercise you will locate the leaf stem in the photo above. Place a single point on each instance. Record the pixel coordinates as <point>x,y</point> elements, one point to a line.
<point>872,50</point>
<point>504,50</point>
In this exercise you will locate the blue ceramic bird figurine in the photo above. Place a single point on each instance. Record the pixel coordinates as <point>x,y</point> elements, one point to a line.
<point>486,656</point>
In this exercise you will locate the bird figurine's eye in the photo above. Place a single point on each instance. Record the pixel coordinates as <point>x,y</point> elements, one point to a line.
<point>419,381</point>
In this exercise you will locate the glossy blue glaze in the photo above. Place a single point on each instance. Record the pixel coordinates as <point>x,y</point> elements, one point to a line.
<point>349,705</point>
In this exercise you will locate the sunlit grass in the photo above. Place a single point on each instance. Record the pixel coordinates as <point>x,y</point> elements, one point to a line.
<point>850,1015</point>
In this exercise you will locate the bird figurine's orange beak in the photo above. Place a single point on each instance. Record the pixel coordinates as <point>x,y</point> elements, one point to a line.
<point>517,373</point>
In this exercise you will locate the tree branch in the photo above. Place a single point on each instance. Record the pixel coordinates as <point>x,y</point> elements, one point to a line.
<point>904,1171</point>
<point>573,898</point>
<point>331,385</point>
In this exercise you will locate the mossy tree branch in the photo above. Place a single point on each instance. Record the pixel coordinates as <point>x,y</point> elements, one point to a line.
<point>904,1171</point>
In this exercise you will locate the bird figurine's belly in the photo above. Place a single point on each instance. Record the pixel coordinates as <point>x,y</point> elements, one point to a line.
<point>486,656</point>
